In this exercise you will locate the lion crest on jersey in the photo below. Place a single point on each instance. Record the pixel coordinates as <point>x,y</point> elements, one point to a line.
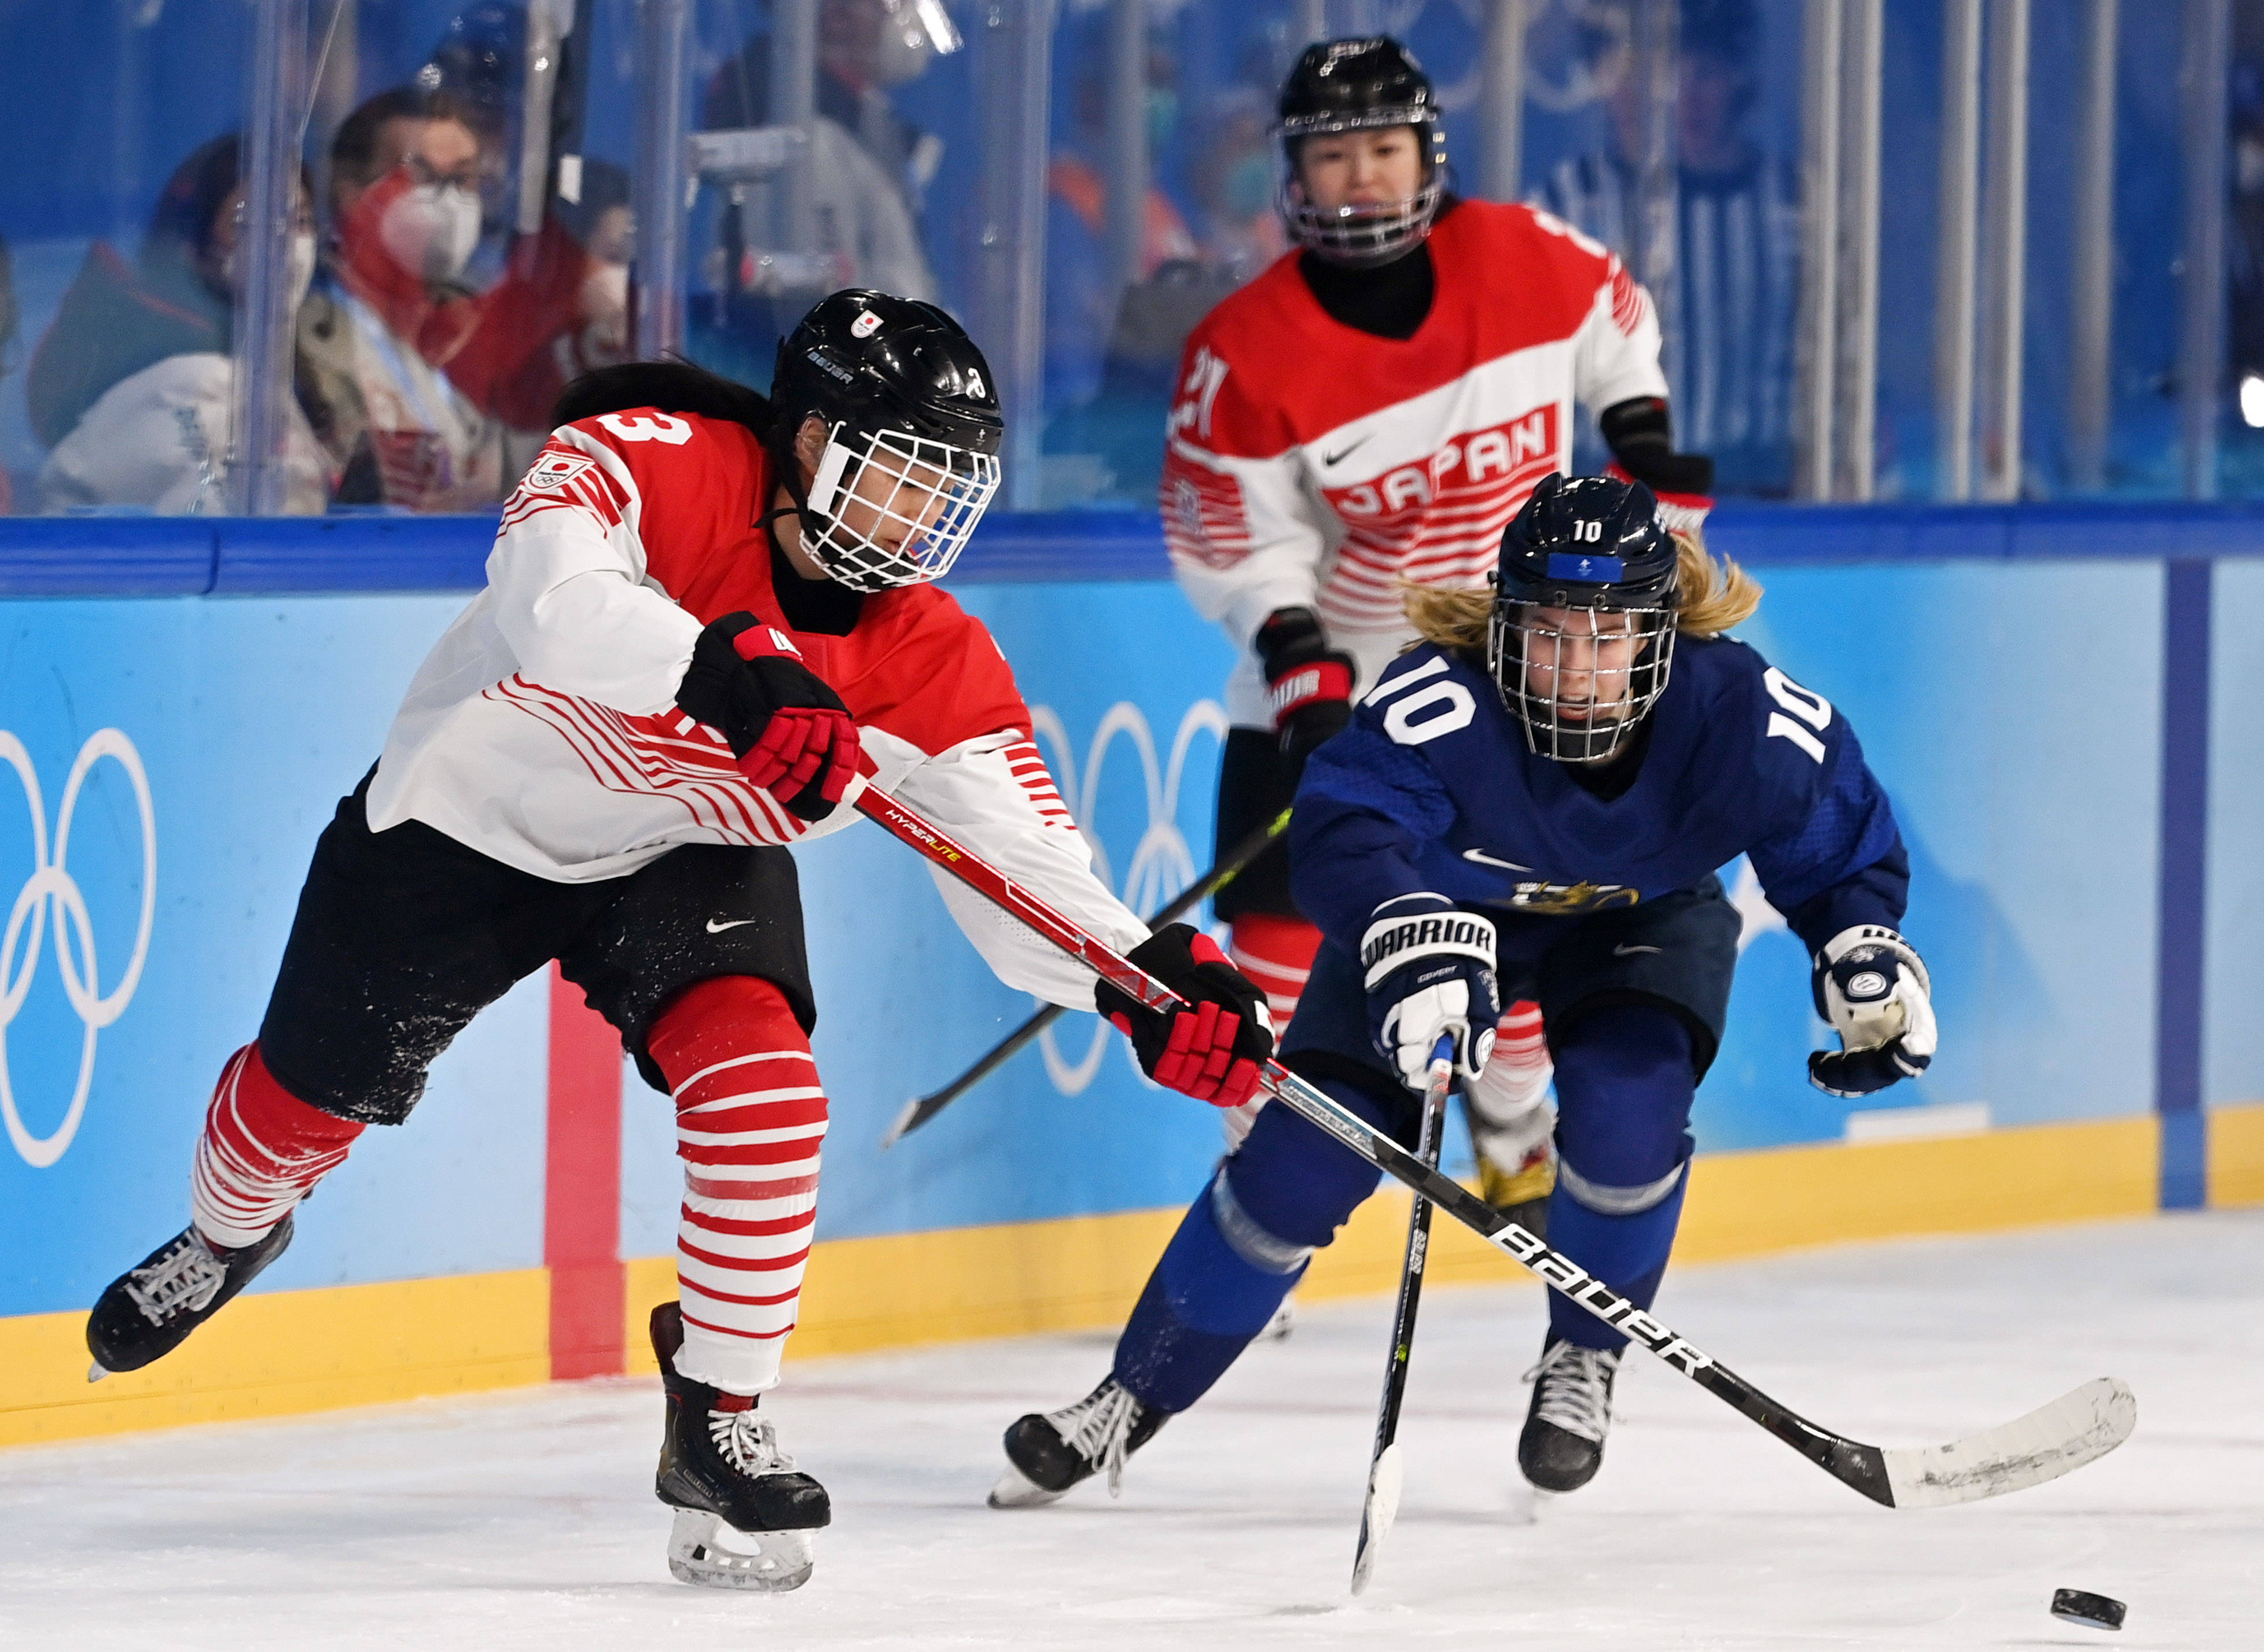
<point>1557,899</point>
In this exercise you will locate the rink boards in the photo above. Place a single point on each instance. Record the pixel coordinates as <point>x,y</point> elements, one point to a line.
<point>2016,710</point>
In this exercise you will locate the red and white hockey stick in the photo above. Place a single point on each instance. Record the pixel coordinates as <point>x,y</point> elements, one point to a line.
<point>2083,1423</point>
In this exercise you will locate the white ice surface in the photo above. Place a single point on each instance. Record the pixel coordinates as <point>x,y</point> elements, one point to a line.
<point>525,1519</point>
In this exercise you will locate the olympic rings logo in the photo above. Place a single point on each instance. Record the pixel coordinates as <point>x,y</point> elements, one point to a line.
<point>1161,863</point>
<point>51,888</point>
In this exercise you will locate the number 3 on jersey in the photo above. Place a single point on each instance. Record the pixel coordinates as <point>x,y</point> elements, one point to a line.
<point>1806,705</point>
<point>647,427</point>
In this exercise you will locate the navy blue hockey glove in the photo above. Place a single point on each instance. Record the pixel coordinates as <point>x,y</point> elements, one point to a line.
<point>1213,1048</point>
<point>1308,684</point>
<point>791,734</point>
<point>1873,989</point>
<point>1428,967</point>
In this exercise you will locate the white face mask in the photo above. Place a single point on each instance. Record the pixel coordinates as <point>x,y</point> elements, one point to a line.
<point>298,269</point>
<point>432,229</point>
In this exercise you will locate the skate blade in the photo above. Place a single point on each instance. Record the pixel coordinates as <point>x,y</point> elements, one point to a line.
<point>1017,1490</point>
<point>702,1549</point>
<point>96,1371</point>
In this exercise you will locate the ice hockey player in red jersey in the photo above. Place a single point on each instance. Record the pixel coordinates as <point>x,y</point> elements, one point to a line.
<point>1370,410</point>
<point>706,613</point>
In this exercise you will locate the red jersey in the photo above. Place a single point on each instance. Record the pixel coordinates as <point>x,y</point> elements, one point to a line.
<point>1308,463</point>
<point>543,731</point>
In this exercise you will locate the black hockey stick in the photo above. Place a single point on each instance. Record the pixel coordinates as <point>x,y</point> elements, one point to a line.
<point>2083,1423</point>
<point>918,1112</point>
<point>1385,1472</point>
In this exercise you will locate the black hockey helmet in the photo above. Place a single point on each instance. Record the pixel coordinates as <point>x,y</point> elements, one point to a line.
<point>1350,85</point>
<point>913,432</point>
<point>1582,635</point>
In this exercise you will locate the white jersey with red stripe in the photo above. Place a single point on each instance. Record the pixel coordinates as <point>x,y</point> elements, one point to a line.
<point>542,730</point>
<point>1311,464</point>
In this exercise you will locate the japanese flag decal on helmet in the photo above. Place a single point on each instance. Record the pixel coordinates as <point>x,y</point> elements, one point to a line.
<point>913,432</point>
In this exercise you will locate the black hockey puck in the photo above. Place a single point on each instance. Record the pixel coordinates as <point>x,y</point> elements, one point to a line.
<point>2097,1611</point>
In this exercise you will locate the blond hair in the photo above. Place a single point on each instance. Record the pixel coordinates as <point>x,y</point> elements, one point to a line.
<point>1712,594</point>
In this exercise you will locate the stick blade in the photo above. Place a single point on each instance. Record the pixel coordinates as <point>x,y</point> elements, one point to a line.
<point>1386,1477</point>
<point>910,1119</point>
<point>2081,1426</point>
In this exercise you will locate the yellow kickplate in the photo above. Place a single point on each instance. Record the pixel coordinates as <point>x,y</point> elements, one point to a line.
<point>282,1352</point>
<point>2236,1155</point>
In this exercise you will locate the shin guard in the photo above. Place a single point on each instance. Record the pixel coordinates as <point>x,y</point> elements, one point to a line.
<point>750,1117</point>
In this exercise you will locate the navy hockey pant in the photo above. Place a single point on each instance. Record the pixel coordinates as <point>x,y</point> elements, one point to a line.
<point>1625,1083</point>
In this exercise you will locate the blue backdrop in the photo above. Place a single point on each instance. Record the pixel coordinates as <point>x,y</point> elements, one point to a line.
<point>2014,707</point>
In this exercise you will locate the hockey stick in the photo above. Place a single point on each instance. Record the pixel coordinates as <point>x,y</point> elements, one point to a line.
<point>1385,1472</point>
<point>2083,1423</point>
<point>918,1112</point>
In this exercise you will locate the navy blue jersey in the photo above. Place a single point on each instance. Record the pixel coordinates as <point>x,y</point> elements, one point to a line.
<point>1433,788</point>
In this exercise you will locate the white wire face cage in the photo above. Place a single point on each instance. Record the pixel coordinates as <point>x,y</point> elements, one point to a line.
<point>1579,684</point>
<point>1365,235</point>
<point>887,507</point>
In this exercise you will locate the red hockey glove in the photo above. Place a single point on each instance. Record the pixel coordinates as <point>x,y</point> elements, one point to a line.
<point>1309,684</point>
<point>1211,1049</point>
<point>791,734</point>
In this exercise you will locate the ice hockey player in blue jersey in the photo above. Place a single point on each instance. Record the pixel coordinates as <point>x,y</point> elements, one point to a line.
<point>1535,799</point>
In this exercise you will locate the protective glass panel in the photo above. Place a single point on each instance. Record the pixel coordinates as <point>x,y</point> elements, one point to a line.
<point>118,225</point>
<point>475,258</point>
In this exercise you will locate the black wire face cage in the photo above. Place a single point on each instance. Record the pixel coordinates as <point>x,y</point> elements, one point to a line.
<point>1581,679</point>
<point>1363,236</point>
<point>887,507</point>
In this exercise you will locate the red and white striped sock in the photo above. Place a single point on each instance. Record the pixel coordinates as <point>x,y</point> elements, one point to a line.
<point>1277,955</point>
<point>749,1117</point>
<point>262,1151</point>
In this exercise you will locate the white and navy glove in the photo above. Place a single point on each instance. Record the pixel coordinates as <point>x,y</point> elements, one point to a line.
<point>1873,989</point>
<point>1428,967</point>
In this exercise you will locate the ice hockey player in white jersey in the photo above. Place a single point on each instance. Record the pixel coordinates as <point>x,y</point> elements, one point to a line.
<point>1371,410</point>
<point>708,615</point>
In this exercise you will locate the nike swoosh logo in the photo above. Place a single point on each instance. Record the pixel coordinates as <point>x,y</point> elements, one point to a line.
<point>1622,952</point>
<point>1485,859</point>
<point>1343,453</point>
<point>714,928</point>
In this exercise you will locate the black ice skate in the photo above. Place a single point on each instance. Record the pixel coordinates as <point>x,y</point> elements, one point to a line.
<point>149,1311</point>
<point>1562,1445</point>
<point>1048,1452</point>
<point>745,1518</point>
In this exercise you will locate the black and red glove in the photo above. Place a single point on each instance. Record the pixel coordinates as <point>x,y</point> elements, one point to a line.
<point>791,734</point>
<point>1308,683</point>
<point>1212,1046</point>
<point>1641,436</point>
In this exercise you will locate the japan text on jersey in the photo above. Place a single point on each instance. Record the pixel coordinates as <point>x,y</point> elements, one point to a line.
<point>1433,788</point>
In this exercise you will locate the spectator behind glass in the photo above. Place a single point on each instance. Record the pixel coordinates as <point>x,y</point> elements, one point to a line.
<point>1082,296</point>
<point>1728,351</point>
<point>134,387</point>
<point>868,167</point>
<point>420,382</point>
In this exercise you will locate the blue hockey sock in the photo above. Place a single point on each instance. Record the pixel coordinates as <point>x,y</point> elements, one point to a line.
<point>1628,1253</point>
<point>1201,1307</point>
<point>1624,1082</point>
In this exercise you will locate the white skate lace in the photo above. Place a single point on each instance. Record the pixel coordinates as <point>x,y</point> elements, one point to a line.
<point>748,1441</point>
<point>1576,1389</point>
<point>1097,1429</point>
<point>184,1279</point>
